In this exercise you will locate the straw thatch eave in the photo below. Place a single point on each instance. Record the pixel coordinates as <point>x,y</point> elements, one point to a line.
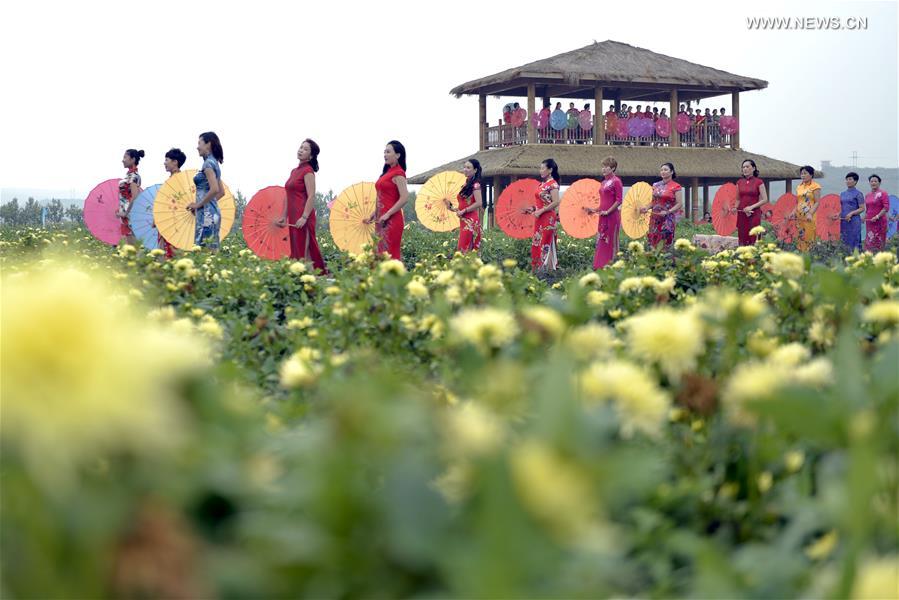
<point>634,162</point>
<point>624,69</point>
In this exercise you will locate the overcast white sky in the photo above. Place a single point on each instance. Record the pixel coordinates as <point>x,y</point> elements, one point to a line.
<point>83,81</point>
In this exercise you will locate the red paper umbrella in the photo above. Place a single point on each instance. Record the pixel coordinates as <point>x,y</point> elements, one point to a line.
<point>767,211</point>
<point>100,208</point>
<point>784,226</point>
<point>612,125</point>
<point>682,123</point>
<point>518,117</point>
<point>724,206</point>
<point>262,234</point>
<point>828,229</point>
<point>623,128</point>
<point>517,196</point>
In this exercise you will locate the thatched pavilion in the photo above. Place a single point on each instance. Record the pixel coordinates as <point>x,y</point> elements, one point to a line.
<point>617,72</point>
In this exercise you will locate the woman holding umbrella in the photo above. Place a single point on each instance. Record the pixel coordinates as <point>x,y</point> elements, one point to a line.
<point>877,206</point>
<point>300,207</point>
<point>392,196</point>
<point>667,200</point>
<point>129,189</point>
<point>174,160</point>
<point>751,196</point>
<point>543,245</point>
<point>209,189</point>
<point>469,200</point>
<point>808,193</point>
<point>610,195</point>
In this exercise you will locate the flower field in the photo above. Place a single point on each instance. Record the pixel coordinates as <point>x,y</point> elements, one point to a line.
<point>676,425</point>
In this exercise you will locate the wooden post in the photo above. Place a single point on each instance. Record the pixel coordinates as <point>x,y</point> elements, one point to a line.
<point>482,120</point>
<point>768,189</point>
<point>532,131</point>
<point>705,197</point>
<point>599,130</point>
<point>675,136</point>
<point>735,111</point>
<point>694,185</point>
<point>789,186</point>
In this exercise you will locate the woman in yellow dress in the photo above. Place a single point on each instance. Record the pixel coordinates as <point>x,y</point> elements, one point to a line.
<point>808,193</point>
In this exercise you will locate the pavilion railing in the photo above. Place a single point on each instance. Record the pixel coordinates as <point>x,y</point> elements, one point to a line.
<point>700,135</point>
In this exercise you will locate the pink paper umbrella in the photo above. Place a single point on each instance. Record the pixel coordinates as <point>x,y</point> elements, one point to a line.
<point>682,123</point>
<point>100,207</point>
<point>663,127</point>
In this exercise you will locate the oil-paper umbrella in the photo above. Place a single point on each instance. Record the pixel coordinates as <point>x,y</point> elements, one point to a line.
<point>826,228</point>
<point>177,224</point>
<point>141,218</point>
<point>558,120</point>
<point>724,206</point>
<point>635,223</point>
<point>431,201</point>
<point>682,123</point>
<point>612,125</point>
<point>585,120</point>
<point>663,127</point>
<point>517,196</point>
<point>572,120</point>
<point>784,226</point>
<point>100,208</point>
<point>518,117</point>
<point>260,229</point>
<point>348,214</point>
<point>729,125</point>
<point>893,216</point>
<point>583,193</point>
<point>623,128</point>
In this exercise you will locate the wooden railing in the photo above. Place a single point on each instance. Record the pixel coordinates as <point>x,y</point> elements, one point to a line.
<point>700,135</point>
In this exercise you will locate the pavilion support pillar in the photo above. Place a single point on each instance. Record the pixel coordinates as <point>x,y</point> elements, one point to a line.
<point>768,189</point>
<point>735,110</point>
<point>694,189</point>
<point>497,190</point>
<point>482,121</point>
<point>705,197</point>
<point>532,110</point>
<point>599,130</point>
<point>789,186</point>
<point>675,136</point>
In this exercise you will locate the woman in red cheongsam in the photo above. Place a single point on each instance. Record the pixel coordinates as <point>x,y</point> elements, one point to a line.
<point>469,200</point>
<point>751,196</point>
<point>667,198</point>
<point>543,245</point>
<point>299,210</point>
<point>877,208</point>
<point>610,193</point>
<point>392,196</point>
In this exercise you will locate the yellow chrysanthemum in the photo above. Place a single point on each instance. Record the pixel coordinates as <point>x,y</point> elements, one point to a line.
<point>591,341</point>
<point>882,311</point>
<point>297,268</point>
<point>672,339</point>
<point>472,430</point>
<point>545,318</point>
<point>485,328</point>
<point>91,377</point>
<point>877,579</point>
<point>786,264</point>
<point>392,267</point>
<point>642,405</point>
<point>417,289</point>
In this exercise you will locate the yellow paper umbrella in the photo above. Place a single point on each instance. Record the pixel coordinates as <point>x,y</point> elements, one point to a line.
<point>348,214</point>
<point>177,224</point>
<point>635,224</point>
<point>430,203</point>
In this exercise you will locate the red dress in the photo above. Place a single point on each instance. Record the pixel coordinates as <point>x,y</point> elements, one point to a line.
<point>876,231</point>
<point>661,227</point>
<point>543,244</point>
<point>390,234</point>
<point>469,223</point>
<point>125,198</point>
<point>303,245</point>
<point>748,191</point>
<point>610,192</point>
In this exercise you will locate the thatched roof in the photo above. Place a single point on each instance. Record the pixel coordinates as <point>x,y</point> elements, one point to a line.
<point>634,162</point>
<point>628,72</point>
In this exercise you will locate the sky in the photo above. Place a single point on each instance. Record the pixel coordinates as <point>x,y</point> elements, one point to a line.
<point>83,81</point>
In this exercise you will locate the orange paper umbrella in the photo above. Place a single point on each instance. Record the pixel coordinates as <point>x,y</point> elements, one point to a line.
<point>635,223</point>
<point>724,209</point>
<point>517,196</point>
<point>431,200</point>
<point>260,229</point>
<point>583,193</point>
<point>826,228</point>
<point>784,226</point>
<point>348,213</point>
